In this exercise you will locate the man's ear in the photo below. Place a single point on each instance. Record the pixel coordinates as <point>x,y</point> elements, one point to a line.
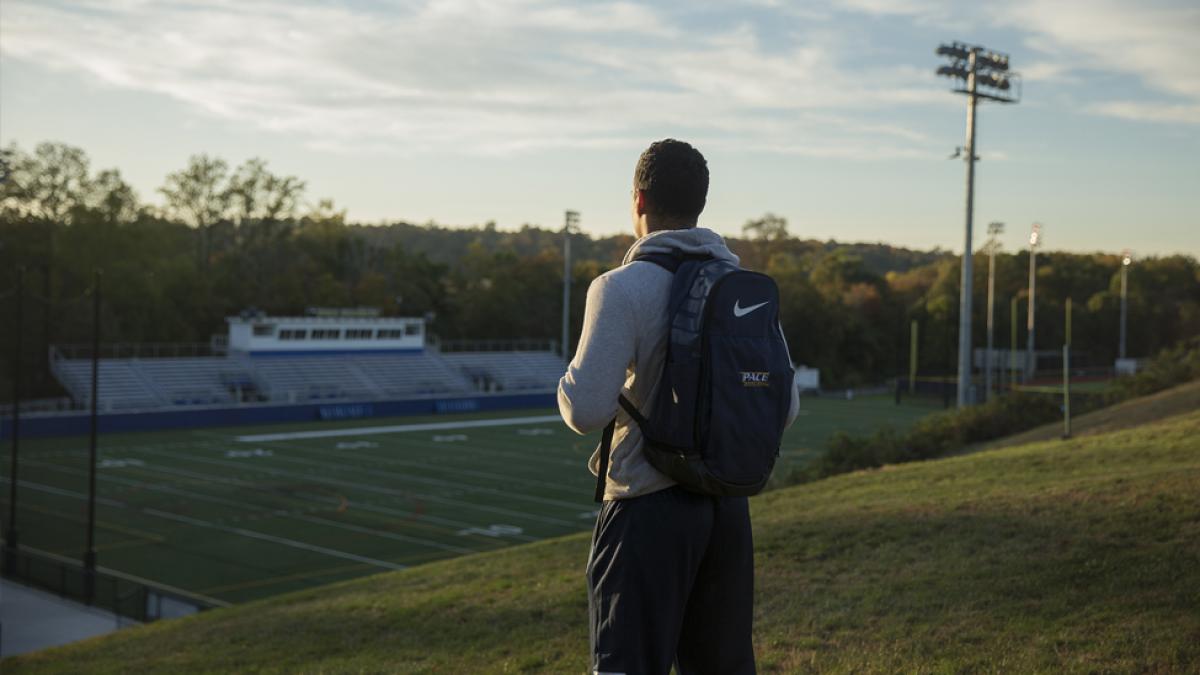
<point>639,201</point>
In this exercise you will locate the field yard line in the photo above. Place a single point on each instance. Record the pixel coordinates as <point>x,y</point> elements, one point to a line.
<point>371,488</point>
<point>384,510</point>
<point>200,523</point>
<point>398,428</point>
<point>50,489</point>
<point>255,507</point>
<point>141,534</point>
<point>385,535</point>
<point>272,538</point>
<point>270,581</point>
<point>435,467</point>
<point>458,524</point>
<point>507,494</point>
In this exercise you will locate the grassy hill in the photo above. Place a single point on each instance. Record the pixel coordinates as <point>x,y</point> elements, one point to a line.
<point>1124,415</point>
<point>1078,556</point>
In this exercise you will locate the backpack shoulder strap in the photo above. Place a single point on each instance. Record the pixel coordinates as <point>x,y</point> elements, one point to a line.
<point>606,444</point>
<point>670,261</point>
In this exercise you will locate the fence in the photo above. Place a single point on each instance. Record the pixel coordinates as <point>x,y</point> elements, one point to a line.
<point>126,596</point>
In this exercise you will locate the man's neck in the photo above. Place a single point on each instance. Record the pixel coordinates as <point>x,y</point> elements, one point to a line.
<point>661,225</point>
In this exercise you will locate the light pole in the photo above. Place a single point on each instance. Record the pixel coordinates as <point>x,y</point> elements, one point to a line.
<point>10,532</point>
<point>985,75</point>
<point>1126,259</point>
<point>570,226</point>
<point>1035,238</point>
<point>993,245</point>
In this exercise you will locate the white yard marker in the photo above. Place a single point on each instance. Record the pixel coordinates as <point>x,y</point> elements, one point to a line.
<point>493,531</point>
<point>257,452</point>
<point>371,431</point>
<point>355,445</point>
<point>450,438</point>
<point>536,432</point>
<point>119,463</point>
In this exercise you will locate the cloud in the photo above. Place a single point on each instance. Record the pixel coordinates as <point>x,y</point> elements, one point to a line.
<point>511,76</point>
<point>1153,41</point>
<point>480,76</point>
<point>1141,111</point>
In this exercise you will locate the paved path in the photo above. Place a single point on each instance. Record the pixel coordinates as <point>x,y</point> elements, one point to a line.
<point>31,619</point>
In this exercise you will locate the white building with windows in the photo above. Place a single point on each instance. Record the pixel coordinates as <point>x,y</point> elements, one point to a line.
<point>257,335</point>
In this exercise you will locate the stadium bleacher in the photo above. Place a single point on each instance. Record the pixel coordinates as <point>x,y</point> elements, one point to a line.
<point>511,371</point>
<point>409,375</point>
<point>149,383</point>
<point>120,386</point>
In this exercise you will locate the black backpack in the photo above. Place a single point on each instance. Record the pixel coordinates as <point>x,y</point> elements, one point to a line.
<point>726,386</point>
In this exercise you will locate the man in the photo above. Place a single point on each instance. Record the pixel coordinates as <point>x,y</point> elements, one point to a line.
<point>671,572</point>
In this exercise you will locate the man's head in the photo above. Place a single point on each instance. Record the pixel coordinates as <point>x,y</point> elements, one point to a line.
<point>670,186</point>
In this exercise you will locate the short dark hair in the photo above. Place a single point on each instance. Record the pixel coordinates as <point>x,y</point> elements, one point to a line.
<point>674,176</point>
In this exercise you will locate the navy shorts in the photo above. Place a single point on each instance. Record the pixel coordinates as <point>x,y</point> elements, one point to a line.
<point>671,581</point>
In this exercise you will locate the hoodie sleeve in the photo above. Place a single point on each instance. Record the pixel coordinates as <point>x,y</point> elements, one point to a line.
<point>588,392</point>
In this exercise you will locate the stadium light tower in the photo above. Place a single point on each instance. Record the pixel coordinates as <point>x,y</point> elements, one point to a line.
<point>1126,260</point>
<point>993,245</point>
<point>1035,238</point>
<point>984,75</point>
<point>570,226</point>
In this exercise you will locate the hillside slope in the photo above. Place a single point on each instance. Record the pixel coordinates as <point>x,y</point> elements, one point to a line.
<point>1079,556</point>
<point>1124,415</point>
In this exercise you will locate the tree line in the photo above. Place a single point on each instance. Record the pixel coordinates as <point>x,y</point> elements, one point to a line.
<point>227,238</point>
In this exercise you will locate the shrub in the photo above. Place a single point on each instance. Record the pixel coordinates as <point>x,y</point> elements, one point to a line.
<point>947,432</point>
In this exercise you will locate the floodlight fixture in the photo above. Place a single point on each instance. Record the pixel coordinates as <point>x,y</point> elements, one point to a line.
<point>956,50</point>
<point>1126,257</point>
<point>983,74</point>
<point>953,71</point>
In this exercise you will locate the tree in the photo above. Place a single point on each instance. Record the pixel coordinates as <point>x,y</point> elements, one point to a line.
<point>766,232</point>
<point>199,196</point>
<point>768,228</point>
<point>113,198</point>
<point>46,185</point>
<point>258,194</point>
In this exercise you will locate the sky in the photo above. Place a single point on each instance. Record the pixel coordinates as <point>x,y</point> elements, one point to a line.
<point>826,112</point>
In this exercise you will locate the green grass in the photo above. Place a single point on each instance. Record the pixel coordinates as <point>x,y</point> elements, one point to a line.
<point>236,521</point>
<point>1123,415</point>
<point>1077,556</point>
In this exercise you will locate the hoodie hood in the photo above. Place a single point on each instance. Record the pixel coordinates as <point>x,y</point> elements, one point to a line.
<point>694,240</point>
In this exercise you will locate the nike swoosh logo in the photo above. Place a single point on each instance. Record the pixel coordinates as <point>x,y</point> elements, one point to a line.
<point>739,311</point>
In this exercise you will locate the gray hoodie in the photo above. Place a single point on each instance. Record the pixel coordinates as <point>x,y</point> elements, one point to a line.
<point>621,351</point>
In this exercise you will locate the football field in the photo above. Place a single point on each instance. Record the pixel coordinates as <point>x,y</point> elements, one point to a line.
<point>242,513</point>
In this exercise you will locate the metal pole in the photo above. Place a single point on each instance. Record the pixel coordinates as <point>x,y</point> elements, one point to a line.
<point>1124,306</point>
<point>964,312</point>
<point>1030,362</point>
<point>570,218</point>
<point>991,297</point>
<point>1012,346</point>
<point>89,554</point>
<point>912,358</point>
<point>1067,376</point>
<point>10,533</point>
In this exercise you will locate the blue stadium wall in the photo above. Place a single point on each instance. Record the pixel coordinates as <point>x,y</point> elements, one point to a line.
<point>72,424</point>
